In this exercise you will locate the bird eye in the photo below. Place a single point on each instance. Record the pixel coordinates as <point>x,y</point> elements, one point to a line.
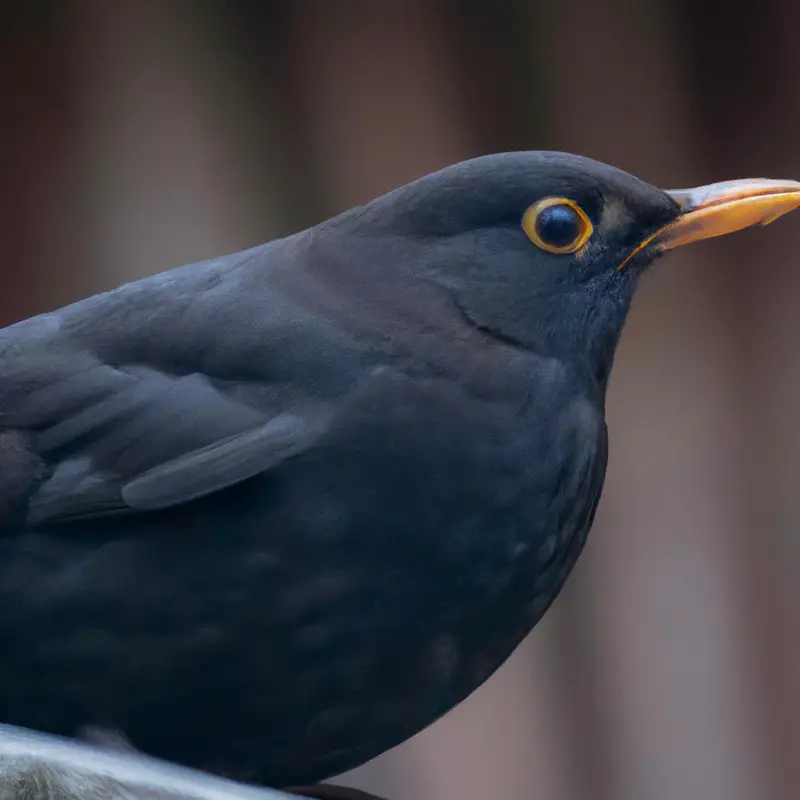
<point>557,225</point>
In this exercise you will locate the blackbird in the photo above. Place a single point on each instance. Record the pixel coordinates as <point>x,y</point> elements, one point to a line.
<point>271,514</point>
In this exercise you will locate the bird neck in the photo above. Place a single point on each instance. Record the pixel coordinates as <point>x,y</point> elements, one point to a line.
<point>571,327</point>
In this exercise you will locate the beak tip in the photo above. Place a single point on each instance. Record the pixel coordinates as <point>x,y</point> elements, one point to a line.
<point>722,208</point>
<point>725,192</point>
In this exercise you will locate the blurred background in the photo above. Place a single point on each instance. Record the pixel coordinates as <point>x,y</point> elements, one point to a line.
<point>138,135</point>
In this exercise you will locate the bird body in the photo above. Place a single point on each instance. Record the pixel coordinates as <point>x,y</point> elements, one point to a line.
<point>272,514</point>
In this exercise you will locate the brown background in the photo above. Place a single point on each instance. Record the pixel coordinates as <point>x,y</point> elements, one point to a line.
<point>137,135</point>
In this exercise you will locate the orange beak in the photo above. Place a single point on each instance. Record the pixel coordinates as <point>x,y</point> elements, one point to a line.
<point>721,208</point>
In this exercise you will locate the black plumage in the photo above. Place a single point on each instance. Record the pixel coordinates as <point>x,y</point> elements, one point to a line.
<point>271,514</point>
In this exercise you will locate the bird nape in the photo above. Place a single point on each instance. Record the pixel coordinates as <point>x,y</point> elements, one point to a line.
<point>271,514</point>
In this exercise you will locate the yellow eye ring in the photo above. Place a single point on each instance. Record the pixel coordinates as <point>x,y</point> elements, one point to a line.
<point>557,225</point>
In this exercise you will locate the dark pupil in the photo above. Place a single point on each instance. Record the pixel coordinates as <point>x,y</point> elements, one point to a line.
<point>558,226</point>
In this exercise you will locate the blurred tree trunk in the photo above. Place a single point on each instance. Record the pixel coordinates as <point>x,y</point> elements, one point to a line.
<point>751,66</point>
<point>35,140</point>
<point>162,172</point>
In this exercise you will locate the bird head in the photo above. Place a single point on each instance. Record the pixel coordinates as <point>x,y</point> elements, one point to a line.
<point>544,249</point>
